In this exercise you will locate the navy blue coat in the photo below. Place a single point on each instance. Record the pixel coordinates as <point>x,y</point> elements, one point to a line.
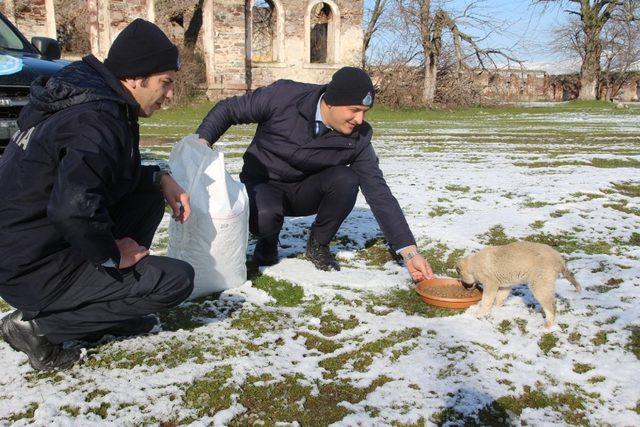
<point>284,147</point>
<point>76,155</point>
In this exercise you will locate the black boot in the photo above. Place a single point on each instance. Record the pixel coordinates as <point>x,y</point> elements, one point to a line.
<point>320,255</point>
<point>43,355</point>
<point>266,251</point>
<point>128,328</point>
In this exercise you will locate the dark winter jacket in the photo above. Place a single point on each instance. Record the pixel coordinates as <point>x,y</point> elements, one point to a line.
<point>284,147</point>
<point>75,156</point>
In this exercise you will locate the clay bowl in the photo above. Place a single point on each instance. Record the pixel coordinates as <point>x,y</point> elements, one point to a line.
<point>447,292</point>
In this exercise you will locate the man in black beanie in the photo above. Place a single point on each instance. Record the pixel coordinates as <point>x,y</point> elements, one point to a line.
<point>311,153</point>
<point>78,209</point>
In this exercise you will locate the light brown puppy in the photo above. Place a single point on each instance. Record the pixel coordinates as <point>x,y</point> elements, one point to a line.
<point>498,268</point>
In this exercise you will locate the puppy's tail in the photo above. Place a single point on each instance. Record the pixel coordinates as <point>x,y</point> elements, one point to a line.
<point>571,278</point>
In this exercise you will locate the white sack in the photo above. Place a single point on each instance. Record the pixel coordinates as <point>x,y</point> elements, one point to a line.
<point>214,239</point>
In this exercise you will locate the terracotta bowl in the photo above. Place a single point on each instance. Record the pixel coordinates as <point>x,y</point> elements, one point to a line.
<point>436,292</point>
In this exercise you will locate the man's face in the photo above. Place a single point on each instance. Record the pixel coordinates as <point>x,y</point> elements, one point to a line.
<point>152,91</point>
<point>345,118</point>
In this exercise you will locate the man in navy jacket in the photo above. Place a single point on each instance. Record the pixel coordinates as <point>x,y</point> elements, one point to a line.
<point>78,210</point>
<point>311,153</point>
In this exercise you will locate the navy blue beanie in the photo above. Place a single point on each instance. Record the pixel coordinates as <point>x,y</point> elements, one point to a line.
<point>142,49</point>
<point>350,86</point>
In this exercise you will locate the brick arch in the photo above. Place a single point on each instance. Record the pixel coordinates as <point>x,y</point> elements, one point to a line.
<point>333,40</point>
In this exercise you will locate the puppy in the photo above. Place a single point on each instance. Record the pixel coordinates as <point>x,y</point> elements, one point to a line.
<point>498,268</point>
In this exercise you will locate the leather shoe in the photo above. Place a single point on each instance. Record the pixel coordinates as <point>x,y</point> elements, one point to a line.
<point>43,355</point>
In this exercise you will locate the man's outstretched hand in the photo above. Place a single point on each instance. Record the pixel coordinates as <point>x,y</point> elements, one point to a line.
<point>130,252</point>
<point>177,198</point>
<point>418,267</point>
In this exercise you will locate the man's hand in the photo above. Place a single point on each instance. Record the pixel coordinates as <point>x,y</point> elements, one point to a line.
<point>418,267</point>
<point>204,142</point>
<point>130,252</point>
<point>177,198</point>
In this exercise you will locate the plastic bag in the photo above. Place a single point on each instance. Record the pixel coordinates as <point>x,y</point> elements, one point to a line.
<point>214,240</point>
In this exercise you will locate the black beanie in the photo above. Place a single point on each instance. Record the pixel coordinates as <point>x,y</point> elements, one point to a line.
<point>350,86</point>
<point>142,49</point>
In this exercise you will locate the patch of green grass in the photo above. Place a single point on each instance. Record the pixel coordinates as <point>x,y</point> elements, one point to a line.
<point>622,207</point>
<point>258,321</point>
<point>633,345</point>
<point>597,379</point>
<point>210,393</point>
<point>313,307</point>
<point>496,236</point>
<point>537,224</point>
<point>458,188</point>
<point>612,283</point>
<point>187,316</point>
<point>331,325</point>
<point>169,354</point>
<point>505,326</point>
<point>538,204</point>
<point>291,400</point>
<point>323,345</point>
<point>74,411</point>
<point>95,394</point>
<point>361,358</point>
<point>588,196</point>
<point>284,292</point>
<point>629,188</point>
<point>568,243</point>
<point>442,210</point>
<point>407,300</point>
<point>600,338</point>
<point>581,368</point>
<point>547,342</point>
<point>102,411</point>
<point>27,414</point>
<point>569,403</point>
<point>637,408</point>
<point>615,163</point>
<point>377,253</point>
<point>634,240</point>
<point>558,213</point>
<point>522,325</point>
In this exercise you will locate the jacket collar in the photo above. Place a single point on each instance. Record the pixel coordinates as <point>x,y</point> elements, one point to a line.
<point>307,107</point>
<point>133,108</point>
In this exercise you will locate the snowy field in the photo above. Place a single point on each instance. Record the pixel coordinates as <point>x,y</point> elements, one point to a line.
<point>357,347</point>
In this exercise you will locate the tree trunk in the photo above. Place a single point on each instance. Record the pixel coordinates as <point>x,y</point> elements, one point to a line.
<point>590,70</point>
<point>430,73</point>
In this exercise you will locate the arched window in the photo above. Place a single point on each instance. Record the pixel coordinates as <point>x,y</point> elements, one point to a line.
<point>266,31</point>
<point>323,32</point>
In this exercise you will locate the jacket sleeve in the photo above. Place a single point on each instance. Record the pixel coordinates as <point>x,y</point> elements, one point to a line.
<point>383,204</point>
<point>254,107</point>
<point>87,167</point>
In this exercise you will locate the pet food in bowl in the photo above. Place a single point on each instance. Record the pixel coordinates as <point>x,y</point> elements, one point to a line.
<point>447,293</point>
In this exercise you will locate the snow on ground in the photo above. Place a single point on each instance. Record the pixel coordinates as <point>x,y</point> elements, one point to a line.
<point>357,347</point>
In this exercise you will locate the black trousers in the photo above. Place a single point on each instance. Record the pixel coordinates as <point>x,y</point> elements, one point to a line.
<point>331,194</point>
<point>96,301</point>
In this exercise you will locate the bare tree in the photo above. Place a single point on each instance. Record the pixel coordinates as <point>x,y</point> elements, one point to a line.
<point>430,25</point>
<point>373,24</point>
<point>594,15</point>
<point>621,50</point>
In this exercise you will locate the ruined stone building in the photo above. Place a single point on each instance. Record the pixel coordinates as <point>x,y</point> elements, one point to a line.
<point>245,43</point>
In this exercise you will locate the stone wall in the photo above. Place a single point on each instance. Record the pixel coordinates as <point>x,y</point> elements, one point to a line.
<point>30,16</point>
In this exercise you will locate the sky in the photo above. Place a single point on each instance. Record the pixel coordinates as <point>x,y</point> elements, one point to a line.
<point>526,30</point>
